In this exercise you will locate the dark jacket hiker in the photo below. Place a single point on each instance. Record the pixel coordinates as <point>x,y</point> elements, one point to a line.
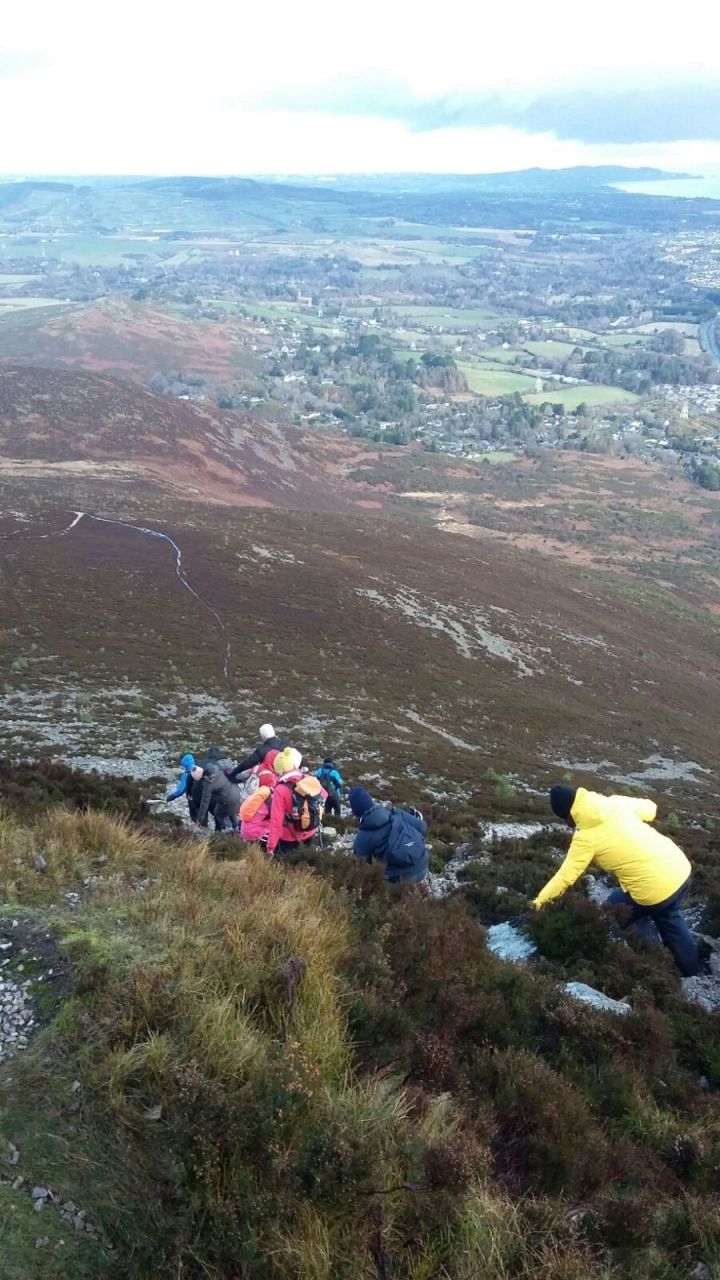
<point>394,837</point>
<point>218,796</point>
<point>269,741</point>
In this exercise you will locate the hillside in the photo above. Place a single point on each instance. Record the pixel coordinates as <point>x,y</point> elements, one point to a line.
<point>218,1067</point>
<point>59,424</point>
<point>127,338</point>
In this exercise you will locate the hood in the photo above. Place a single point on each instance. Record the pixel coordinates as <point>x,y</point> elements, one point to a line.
<point>589,809</point>
<point>375,818</point>
<point>188,762</point>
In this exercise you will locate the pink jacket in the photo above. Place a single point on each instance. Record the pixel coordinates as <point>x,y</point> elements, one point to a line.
<point>258,827</point>
<point>282,801</point>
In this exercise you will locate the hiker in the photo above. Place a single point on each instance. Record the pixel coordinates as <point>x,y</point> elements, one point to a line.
<point>213,756</point>
<point>269,741</point>
<point>255,809</point>
<point>654,873</point>
<point>297,807</point>
<point>392,836</point>
<point>218,796</point>
<point>185,784</point>
<point>333,784</point>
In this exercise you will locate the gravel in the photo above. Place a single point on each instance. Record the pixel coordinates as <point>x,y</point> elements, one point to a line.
<point>16,1015</point>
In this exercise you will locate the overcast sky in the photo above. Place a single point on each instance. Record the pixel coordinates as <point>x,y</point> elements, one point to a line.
<point>320,86</point>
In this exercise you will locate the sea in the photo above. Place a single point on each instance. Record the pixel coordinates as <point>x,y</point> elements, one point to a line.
<point>706,185</point>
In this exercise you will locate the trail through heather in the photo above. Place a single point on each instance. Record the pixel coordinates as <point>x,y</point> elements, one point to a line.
<point>151,533</point>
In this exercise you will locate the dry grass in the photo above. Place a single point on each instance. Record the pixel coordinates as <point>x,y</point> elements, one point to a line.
<point>230,1126</point>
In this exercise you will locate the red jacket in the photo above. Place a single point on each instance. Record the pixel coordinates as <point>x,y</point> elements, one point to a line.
<point>281,808</point>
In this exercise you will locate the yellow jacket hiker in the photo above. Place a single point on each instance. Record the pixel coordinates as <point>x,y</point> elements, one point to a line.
<point>614,833</point>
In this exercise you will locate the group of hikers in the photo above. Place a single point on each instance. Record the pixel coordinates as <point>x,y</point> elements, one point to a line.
<point>269,798</point>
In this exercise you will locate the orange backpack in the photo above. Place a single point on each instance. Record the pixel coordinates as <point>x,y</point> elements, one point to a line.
<point>308,803</point>
<point>250,807</point>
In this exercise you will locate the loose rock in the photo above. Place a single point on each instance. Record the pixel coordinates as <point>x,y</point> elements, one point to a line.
<point>588,995</point>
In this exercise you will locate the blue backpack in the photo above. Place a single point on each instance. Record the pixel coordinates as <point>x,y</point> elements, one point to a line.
<point>405,844</point>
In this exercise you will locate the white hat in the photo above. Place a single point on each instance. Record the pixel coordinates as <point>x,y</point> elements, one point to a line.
<point>266,731</point>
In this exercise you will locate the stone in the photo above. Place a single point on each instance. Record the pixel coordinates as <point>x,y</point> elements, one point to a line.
<point>509,943</point>
<point>700,1271</point>
<point>40,863</point>
<point>42,1242</point>
<point>38,1205</point>
<point>78,1222</point>
<point>588,995</point>
<point>330,832</point>
<point>40,1193</point>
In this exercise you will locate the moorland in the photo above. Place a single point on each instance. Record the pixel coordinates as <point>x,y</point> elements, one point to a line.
<point>434,468</point>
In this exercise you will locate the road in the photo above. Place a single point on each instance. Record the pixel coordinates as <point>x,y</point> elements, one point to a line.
<point>708,335</point>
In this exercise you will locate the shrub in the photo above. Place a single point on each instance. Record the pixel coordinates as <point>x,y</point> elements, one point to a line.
<point>570,929</point>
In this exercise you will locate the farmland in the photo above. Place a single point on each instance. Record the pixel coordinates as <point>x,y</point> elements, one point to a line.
<point>571,397</point>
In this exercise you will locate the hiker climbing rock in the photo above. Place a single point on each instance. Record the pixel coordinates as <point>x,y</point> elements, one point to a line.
<point>297,807</point>
<point>218,796</point>
<point>269,741</point>
<point>185,784</point>
<point>213,756</point>
<point>392,836</point>
<point>654,873</point>
<point>330,778</point>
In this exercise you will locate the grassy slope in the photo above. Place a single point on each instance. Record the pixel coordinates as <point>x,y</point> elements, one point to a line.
<point>412,1107</point>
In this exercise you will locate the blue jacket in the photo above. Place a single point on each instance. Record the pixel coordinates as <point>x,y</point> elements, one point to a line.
<point>395,838</point>
<point>188,763</point>
<point>330,778</point>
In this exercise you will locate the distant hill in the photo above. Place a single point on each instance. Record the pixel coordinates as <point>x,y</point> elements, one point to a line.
<point>131,339</point>
<point>578,177</point>
<point>192,203</point>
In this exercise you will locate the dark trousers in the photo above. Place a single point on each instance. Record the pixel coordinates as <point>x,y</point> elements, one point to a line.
<point>225,818</point>
<point>332,805</point>
<point>665,919</point>
<point>289,846</point>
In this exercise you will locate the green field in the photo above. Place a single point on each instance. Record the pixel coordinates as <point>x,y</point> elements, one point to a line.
<point>496,456</point>
<point>449,317</point>
<point>589,394</point>
<point>486,381</point>
<point>500,355</point>
<point>89,249</point>
<point>550,349</point>
<point>28,304</point>
<point>621,339</point>
<point>656,326</point>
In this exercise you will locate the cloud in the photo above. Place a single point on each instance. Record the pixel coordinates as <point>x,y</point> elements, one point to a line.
<point>601,115</point>
<point>15,63</point>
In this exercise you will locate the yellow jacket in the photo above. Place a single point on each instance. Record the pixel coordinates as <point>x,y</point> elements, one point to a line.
<point>612,832</point>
